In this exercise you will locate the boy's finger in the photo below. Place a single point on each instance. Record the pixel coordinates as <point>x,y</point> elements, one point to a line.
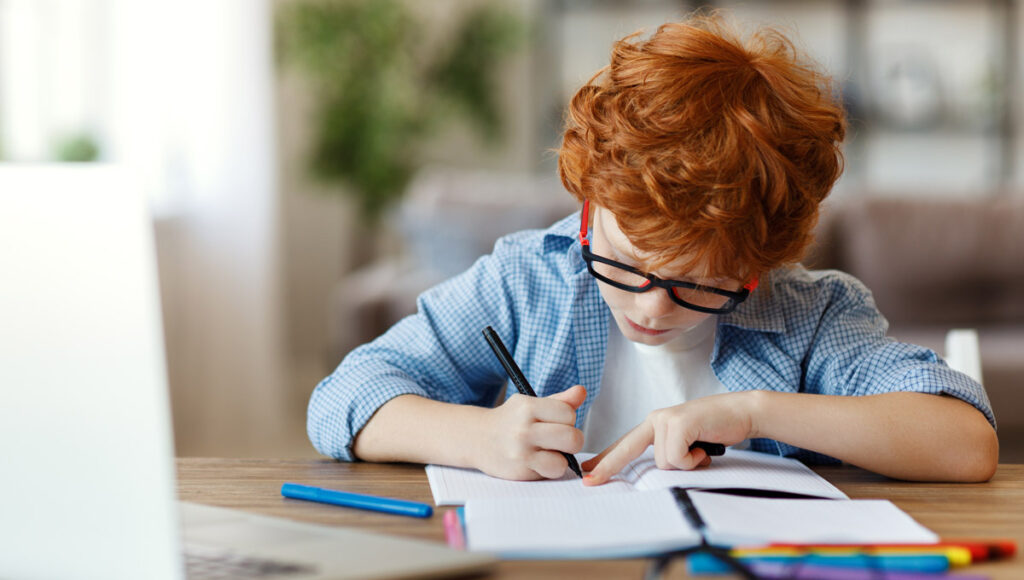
<point>573,396</point>
<point>548,464</point>
<point>593,461</point>
<point>551,410</point>
<point>589,464</point>
<point>612,460</point>
<point>555,437</point>
<point>560,407</point>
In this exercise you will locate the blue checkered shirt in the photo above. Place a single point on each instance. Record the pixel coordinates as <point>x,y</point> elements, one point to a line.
<point>800,332</point>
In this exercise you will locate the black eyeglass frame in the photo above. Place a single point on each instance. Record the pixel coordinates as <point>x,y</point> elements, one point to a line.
<point>735,298</point>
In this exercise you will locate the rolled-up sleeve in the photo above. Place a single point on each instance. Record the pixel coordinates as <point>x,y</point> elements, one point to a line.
<point>851,354</point>
<point>437,353</point>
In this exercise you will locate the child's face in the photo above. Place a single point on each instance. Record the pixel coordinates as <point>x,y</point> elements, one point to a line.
<point>647,317</point>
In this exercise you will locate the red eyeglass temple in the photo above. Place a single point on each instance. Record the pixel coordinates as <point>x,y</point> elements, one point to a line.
<point>583,226</point>
<point>751,286</point>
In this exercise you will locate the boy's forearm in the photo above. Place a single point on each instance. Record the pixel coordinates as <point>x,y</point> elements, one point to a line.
<point>913,436</point>
<point>419,430</point>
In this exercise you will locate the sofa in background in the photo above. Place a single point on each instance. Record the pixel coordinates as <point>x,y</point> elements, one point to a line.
<point>447,219</point>
<point>940,264</point>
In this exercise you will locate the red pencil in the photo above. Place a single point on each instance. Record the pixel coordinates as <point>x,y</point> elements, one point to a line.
<point>997,549</point>
<point>980,550</point>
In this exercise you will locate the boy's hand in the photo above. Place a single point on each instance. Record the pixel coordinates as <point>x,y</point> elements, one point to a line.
<point>715,419</point>
<point>527,434</point>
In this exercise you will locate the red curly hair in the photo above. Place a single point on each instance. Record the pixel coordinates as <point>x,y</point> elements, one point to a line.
<point>711,152</point>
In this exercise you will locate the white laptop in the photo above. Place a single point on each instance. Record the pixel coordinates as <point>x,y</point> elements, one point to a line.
<point>86,460</point>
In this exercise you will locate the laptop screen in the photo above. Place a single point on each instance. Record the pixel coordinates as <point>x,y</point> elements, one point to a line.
<point>87,486</point>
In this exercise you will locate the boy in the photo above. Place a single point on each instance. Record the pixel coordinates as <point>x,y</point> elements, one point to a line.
<point>672,302</point>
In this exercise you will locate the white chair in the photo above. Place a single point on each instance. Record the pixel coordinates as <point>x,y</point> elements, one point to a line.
<point>963,352</point>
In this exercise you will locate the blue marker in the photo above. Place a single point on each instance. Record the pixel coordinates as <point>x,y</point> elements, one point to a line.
<point>357,500</point>
<point>703,563</point>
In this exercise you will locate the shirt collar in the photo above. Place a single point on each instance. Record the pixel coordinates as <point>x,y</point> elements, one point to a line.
<point>563,238</point>
<point>562,233</point>
<point>758,311</point>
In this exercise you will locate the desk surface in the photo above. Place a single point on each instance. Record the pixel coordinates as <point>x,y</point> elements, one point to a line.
<point>994,509</point>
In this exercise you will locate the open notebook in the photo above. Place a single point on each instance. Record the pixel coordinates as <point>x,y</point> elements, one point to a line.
<point>735,469</point>
<point>622,525</point>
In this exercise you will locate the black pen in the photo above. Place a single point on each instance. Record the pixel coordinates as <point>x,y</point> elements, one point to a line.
<point>710,448</point>
<point>519,380</point>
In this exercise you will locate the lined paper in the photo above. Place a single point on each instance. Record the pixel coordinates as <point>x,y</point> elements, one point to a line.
<point>737,468</point>
<point>455,485</point>
<point>732,520</point>
<point>615,525</point>
<point>643,523</point>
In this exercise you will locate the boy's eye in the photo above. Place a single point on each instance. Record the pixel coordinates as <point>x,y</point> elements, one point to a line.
<point>700,297</point>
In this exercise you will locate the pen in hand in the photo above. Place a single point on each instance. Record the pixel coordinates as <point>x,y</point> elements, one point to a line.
<point>519,380</point>
<point>711,449</point>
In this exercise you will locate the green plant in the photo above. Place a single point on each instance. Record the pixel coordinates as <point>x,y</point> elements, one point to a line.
<point>78,148</point>
<point>381,90</point>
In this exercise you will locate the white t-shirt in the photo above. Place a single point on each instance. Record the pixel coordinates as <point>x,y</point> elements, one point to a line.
<point>640,378</point>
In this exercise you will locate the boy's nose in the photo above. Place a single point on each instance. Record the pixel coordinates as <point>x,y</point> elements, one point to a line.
<point>655,303</point>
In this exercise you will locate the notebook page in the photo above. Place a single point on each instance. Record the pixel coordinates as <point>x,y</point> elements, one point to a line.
<point>455,485</point>
<point>603,526</point>
<point>737,468</point>
<point>749,520</point>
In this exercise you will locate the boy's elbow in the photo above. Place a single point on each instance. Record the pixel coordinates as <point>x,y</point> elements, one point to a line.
<point>988,455</point>
<point>327,442</point>
<point>982,459</point>
<point>323,430</point>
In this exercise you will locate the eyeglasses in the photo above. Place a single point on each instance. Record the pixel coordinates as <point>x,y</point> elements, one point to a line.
<point>705,299</point>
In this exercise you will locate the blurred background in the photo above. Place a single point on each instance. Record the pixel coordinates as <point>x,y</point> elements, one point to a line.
<point>312,165</point>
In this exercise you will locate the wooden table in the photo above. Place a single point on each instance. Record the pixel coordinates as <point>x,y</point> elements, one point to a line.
<point>994,509</point>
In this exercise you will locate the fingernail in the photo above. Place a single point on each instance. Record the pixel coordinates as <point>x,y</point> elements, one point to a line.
<point>589,479</point>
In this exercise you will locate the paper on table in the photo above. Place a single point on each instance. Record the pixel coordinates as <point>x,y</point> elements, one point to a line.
<point>616,525</point>
<point>732,520</point>
<point>649,522</point>
<point>455,485</point>
<point>737,468</point>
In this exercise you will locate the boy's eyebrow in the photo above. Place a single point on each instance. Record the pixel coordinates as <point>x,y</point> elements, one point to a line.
<point>633,261</point>
<point>637,263</point>
<point>619,255</point>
